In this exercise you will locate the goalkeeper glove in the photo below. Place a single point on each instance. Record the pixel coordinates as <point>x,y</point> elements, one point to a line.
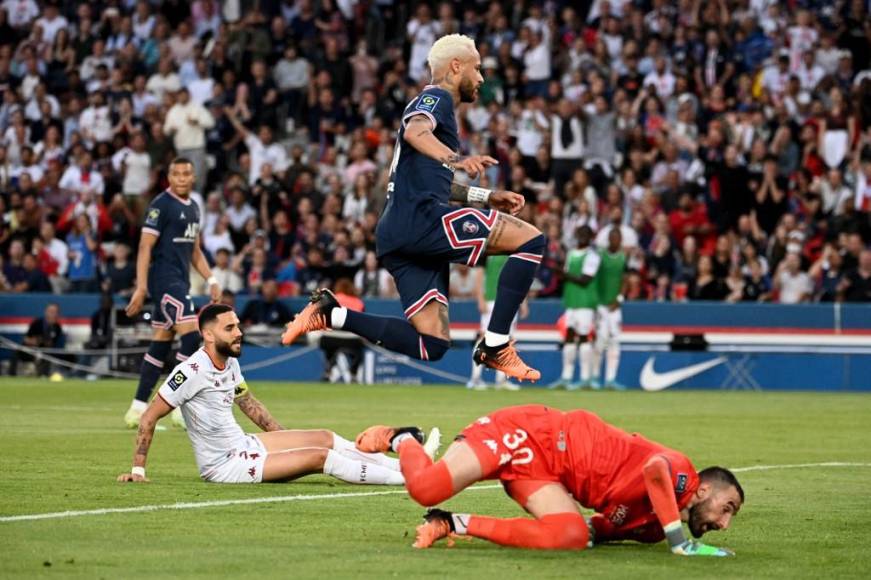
<point>696,548</point>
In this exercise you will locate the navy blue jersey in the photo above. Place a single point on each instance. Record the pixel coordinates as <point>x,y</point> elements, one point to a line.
<point>176,222</point>
<point>418,182</point>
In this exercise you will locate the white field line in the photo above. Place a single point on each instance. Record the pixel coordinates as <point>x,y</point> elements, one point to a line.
<point>327,496</point>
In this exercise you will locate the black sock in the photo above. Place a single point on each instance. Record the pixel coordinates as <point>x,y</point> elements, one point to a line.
<point>152,366</point>
<point>396,334</point>
<point>514,283</point>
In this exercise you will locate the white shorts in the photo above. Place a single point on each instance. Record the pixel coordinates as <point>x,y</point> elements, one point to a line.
<point>243,464</point>
<point>610,323</point>
<point>580,320</point>
<point>485,319</point>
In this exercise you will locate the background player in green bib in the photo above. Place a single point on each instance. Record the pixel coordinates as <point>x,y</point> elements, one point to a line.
<point>580,298</point>
<point>610,282</point>
<point>486,285</point>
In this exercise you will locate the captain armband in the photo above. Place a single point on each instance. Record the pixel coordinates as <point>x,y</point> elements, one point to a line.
<point>241,391</point>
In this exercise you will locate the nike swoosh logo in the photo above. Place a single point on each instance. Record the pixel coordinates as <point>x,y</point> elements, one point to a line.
<point>654,381</point>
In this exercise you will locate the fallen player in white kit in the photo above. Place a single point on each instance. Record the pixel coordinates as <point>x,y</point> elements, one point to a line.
<point>205,387</point>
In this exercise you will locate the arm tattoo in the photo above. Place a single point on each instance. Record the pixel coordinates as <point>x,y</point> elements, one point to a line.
<point>459,192</point>
<point>425,125</point>
<point>451,159</point>
<point>143,442</point>
<point>258,414</point>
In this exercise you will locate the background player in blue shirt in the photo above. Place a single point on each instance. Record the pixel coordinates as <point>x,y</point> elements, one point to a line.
<point>169,244</point>
<point>420,233</point>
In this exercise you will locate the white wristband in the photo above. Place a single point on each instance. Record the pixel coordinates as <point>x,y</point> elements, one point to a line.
<point>478,194</point>
<point>137,470</point>
<point>212,281</point>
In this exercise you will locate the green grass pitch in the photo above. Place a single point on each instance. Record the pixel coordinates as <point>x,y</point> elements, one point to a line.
<point>63,444</point>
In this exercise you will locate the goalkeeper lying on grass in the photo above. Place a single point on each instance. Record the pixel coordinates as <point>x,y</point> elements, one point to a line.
<point>549,461</point>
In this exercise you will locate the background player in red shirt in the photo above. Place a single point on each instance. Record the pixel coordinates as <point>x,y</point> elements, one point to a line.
<point>549,461</point>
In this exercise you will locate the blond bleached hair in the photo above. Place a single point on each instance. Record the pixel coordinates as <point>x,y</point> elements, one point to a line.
<point>447,48</point>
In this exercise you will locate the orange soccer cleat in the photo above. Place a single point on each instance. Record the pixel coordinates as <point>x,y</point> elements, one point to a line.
<point>505,358</point>
<point>437,524</point>
<point>379,439</point>
<point>315,316</point>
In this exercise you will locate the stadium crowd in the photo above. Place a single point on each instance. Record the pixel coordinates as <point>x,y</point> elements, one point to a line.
<point>729,140</point>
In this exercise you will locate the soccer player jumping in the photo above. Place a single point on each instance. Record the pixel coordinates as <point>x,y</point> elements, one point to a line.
<point>547,460</point>
<point>419,233</point>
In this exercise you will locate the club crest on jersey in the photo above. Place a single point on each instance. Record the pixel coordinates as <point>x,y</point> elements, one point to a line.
<point>151,218</point>
<point>427,103</point>
<point>681,486</point>
<point>177,380</point>
<point>470,227</point>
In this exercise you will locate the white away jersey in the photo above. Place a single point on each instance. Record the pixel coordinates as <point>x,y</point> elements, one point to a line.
<point>205,394</point>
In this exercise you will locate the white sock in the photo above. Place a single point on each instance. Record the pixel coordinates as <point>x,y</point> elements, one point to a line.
<point>586,361</point>
<point>349,450</point>
<point>461,523</point>
<point>500,377</point>
<point>354,471</point>
<point>570,353</point>
<point>476,372</point>
<point>399,439</point>
<point>138,405</point>
<point>495,339</point>
<point>596,363</point>
<point>612,361</point>
<point>338,316</point>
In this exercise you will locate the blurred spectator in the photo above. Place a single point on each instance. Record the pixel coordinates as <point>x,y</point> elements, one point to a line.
<point>187,122</point>
<point>826,273</point>
<point>266,309</point>
<point>34,279</point>
<point>82,179</point>
<point>102,324</point>
<point>706,286</point>
<point>134,164</point>
<point>221,270</point>
<point>856,284</point>
<point>44,332</point>
<point>372,280</point>
<point>792,285</point>
<point>343,354</point>
<point>119,276</point>
<point>463,282</point>
<point>13,269</point>
<point>82,256</point>
<point>757,286</point>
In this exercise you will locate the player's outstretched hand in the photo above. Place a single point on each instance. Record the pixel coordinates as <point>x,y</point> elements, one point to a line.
<point>696,548</point>
<point>136,302</point>
<point>475,164</point>
<point>507,201</point>
<point>132,477</point>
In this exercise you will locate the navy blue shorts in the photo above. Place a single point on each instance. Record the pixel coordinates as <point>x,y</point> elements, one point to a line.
<point>172,305</point>
<point>422,270</point>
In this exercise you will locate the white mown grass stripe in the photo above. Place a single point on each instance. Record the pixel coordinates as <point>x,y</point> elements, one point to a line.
<point>312,497</point>
<point>798,466</point>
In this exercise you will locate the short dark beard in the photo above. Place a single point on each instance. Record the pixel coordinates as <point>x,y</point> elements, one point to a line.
<point>467,91</point>
<point>226,349</point>
<point>693,523</point>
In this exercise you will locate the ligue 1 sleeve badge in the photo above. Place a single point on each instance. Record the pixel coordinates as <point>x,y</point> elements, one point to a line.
<point>177,380</point>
